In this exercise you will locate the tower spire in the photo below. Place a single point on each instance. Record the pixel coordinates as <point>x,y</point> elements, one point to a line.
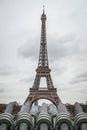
<point>43,9</point>
<point>43,58</point>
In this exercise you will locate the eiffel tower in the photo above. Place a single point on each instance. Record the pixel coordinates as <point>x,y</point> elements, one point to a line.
<point>43,70</point>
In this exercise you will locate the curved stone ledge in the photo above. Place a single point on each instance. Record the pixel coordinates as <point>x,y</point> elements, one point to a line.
<point>24,118</point>
<point>63,118</point>
<point>7,118</point>
<point>79,119</point>
<point>43,117</point>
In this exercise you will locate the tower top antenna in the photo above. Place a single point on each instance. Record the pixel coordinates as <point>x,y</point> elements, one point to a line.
<point>43,9</point>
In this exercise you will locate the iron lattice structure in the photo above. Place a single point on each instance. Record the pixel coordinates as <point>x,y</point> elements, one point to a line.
<point>43,70</point>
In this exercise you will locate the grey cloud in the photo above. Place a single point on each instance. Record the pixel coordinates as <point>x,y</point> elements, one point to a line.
<point>62,89</point>
<point>57,48</point>
<point>84,91</point>
<point>84,75</point>
<point>27,80</point>
<point>2,90</point>
<point>57,69</point>
<point>29,49</point>
<point>7,70</point>
<point>78,81</point>
<point>79,78</point>
<point>63,46</point>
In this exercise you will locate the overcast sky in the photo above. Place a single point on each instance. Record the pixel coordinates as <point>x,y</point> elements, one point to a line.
<point>20,28</point>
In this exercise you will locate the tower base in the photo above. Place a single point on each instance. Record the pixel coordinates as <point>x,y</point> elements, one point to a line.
<point>50,94</point>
